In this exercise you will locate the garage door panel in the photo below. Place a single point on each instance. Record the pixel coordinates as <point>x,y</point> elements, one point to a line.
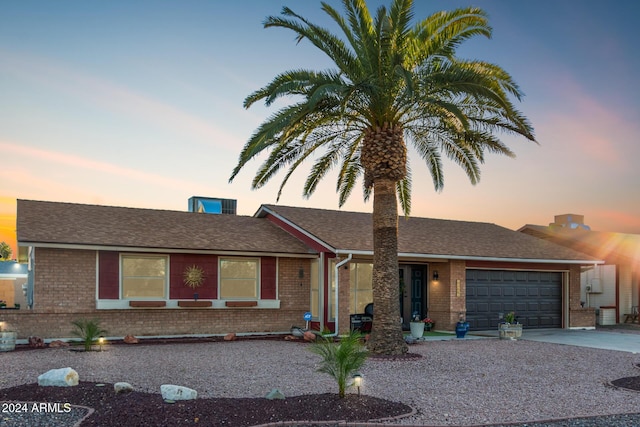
<point>482,291</point>
<point>520,307</point>
<point>536,298</point>
<point>508,291</point>
<point>508,306</point>
<point>495,307</point>
<point>483,324</point>
<point>482,306</point>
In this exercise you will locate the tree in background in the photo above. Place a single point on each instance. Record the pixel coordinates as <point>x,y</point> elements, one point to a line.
<point>394,81</point>
<point>5,251</point>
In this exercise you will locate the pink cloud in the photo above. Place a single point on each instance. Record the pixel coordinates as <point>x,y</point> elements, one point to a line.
<point>69,160</point>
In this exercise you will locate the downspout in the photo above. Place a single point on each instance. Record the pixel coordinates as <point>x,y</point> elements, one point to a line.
<point>337,270</point>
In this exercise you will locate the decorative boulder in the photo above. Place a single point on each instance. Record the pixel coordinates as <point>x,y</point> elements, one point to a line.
<point>36,342</point>
<point>230,337</point>
<point>130,339</point>
<point>122,387</point>
<point>58,344</point>
<point>275,394</point>
<point>63,377</point>
<point>177,392</point>
<point>309,336</point>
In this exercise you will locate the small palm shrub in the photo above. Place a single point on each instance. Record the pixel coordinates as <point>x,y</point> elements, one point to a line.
<point>88,330</point>
<point>340,360</point>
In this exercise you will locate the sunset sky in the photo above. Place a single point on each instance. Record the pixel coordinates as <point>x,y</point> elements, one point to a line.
<point>139,103</point>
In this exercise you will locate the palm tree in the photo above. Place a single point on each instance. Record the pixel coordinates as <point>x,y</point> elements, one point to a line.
<point>393,82</point>
<point>342,360</point>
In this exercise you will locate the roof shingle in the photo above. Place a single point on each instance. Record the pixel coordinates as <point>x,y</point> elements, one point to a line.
<point>346,231</point>
<point>92,225</point>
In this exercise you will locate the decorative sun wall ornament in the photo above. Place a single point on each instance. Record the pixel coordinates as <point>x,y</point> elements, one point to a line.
<point>193,276</point>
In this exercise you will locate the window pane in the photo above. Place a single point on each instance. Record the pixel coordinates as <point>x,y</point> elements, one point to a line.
<point>142,287</point>
<point>230,288</point>
<point>239,278</point>
<point>238,269</point>
<point>144,277</point>
<point>364,298</point>
<point>315,290</point>
<point>143,266</point>
<point>365,276</point>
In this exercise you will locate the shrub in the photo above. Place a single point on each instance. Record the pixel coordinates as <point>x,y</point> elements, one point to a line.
<point>340,360</point>
<point>88,330</point>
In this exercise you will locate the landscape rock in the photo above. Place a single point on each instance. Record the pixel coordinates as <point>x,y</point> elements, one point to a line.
<point>122,387</point>
<point>36,342</point>
<point>130,339</point>
<point>58,344</point>
<point>230,337</point>
<point>177,392</point>
<point>309,336</point>
<point>275,394</point>
<point>63,377</point>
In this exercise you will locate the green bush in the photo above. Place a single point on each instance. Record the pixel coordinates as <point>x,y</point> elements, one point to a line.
<point>340,360</point>
<point>88,330</point>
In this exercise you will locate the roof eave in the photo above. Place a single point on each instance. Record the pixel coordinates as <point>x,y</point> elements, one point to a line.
<point>164,250</point>
<point>265,210</point>
<point>476,258</point>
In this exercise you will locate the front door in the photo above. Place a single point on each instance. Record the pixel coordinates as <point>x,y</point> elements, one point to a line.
<point>418,290</point>
<point>413,291</point>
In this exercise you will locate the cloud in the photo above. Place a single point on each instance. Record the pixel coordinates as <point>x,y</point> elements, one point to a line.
<point>36,179</point>
<point>112,97</point>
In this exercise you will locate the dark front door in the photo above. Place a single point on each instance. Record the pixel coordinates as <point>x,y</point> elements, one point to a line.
<point>418,290</point>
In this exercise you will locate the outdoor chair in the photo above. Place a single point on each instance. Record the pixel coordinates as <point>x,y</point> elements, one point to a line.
<point>633,316</point>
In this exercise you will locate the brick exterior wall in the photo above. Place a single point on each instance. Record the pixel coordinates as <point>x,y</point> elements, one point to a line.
<point>65,290</point>
<point>445,304</point>
<point>578,317</point>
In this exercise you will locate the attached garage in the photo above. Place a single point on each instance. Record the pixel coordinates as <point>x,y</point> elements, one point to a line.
<point>535,297</point>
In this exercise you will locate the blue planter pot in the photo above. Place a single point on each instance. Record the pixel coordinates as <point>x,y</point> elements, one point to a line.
<point>461,329</point>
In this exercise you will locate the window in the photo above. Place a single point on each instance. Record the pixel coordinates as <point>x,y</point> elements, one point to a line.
<point>315,290</point>
<point>239,278</point>
<point>332,291</point>
<point>361,292</point>
<point>144,277</point>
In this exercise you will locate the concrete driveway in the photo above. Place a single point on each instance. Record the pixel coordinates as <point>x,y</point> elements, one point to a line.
<point>620,339</point>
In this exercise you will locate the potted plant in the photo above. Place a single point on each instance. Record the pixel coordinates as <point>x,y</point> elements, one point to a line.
<point>417,325</point>
<point>462,327</point>
<point>510,328</point>
<point>7,338</point>
<point>429,324</point>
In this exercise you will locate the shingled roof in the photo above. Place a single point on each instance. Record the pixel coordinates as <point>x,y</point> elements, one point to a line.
<point>352,232</point>
<point>55,224</point>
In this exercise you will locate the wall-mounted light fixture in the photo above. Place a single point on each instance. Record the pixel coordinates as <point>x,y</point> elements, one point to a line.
<point>435,275</point>
<point>301,273</point>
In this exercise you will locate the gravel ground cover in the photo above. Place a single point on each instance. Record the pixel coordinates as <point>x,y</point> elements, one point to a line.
<point>453,383</point>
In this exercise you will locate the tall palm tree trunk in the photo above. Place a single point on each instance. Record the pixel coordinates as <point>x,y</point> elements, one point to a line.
<point>386,333</point>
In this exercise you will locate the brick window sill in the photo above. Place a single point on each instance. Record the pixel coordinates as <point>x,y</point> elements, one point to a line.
<point>194,303</point>
<point>147,304</point>
<point>241,303</point>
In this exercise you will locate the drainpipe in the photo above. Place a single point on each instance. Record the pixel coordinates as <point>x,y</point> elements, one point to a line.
<point>337,270</point>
